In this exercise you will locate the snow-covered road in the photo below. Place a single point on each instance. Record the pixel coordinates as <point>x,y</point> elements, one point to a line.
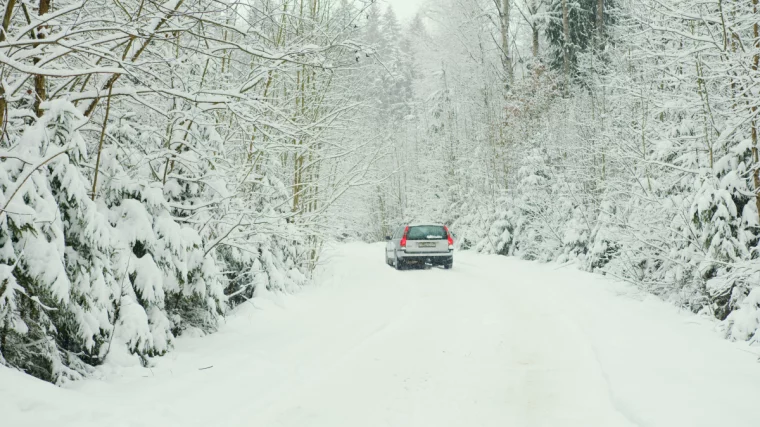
<point>493,342</point>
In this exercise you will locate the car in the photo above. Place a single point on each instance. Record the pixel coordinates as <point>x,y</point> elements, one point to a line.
<point>420,244</point>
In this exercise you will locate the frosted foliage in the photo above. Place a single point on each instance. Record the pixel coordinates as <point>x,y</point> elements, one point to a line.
<point>148,280</point>
<point>744,324</point>
<point>635,155</point>
<point>149,186</point>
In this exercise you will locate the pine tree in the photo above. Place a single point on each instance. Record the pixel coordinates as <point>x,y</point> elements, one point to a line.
<point>583,23</point>
<point>55,306</point>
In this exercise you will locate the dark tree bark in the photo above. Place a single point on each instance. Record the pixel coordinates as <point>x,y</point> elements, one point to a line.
<point>40,90</point>
<point>566,41</point>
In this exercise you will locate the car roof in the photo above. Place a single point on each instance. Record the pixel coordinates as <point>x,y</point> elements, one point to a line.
<point>415,224</point>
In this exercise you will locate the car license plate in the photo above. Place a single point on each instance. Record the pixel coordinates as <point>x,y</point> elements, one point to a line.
<point>427,244</point>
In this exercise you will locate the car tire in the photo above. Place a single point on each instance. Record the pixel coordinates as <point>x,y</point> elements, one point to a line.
<point>448,265</point>
<point>398,264</point>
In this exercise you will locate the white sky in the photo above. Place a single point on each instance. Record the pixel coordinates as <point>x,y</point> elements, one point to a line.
<point>405,9</point>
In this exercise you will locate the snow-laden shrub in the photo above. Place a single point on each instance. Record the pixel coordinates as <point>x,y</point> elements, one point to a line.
<point>127,269</point>
<point>468,228</point>
<point>743,323</point>
<point>604,243</point>
<point>57,283</point>
<point>161,261</point>
<point>500,235</point>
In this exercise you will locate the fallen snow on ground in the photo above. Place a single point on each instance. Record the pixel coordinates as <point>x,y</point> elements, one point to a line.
<point>493,342</point>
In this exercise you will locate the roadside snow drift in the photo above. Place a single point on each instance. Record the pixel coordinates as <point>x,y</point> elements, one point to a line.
<point>493,342</point>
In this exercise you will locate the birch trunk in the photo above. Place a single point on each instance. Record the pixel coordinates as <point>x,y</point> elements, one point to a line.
<point>504,21</point>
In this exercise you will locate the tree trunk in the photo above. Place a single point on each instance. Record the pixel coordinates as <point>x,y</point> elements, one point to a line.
<point>504,21</point>
<point>755,156</point>
<point>7,18</point>
<point>40,94</point>
<point>6,23</point>
<point>3,107</point>
<point>566,44</point>
<point>100,148</point>
<point>600,21</point>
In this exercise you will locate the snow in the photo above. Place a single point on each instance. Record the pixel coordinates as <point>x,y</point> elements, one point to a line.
<point>496,341</point>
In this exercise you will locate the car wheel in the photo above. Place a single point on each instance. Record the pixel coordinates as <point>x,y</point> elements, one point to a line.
<point>398,263</point>
<point>448,265</point>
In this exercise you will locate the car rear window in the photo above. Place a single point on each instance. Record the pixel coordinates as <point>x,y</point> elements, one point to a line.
<point>426,232</point>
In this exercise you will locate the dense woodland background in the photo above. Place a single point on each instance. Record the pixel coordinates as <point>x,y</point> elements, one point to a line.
<point>164,161</point>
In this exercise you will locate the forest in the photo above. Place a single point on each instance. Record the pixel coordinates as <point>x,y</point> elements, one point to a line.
<point>162,162</point>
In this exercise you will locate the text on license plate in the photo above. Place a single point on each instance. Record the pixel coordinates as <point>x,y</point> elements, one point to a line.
<point>426,244</point>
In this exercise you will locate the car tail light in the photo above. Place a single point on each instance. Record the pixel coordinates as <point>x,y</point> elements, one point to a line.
<point>403,238</point>
<point>448,234</point>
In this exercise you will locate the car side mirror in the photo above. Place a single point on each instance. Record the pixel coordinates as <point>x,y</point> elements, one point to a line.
<point>387,237</point>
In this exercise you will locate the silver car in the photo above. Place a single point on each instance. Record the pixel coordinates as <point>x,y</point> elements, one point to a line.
<point>420,244</point>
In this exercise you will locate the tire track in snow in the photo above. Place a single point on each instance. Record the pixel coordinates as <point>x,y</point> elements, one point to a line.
<point>287,393</point>
<point>539,314</point>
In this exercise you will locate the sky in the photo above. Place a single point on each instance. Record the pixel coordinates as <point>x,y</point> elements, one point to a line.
<point>405,9</point>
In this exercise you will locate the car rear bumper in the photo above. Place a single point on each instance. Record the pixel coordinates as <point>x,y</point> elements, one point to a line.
<point>435,258</point>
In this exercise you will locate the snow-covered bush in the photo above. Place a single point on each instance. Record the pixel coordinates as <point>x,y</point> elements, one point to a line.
<point>149,184</point>
<point>58,282</point>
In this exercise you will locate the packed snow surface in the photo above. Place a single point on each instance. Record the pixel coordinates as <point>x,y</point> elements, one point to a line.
<point>494,342</point>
